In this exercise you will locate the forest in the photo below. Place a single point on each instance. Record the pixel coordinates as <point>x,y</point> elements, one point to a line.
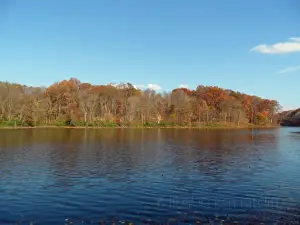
<point>290,118</point>
<point>73,103</point>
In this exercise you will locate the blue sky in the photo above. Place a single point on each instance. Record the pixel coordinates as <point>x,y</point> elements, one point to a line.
<point>249,46</point>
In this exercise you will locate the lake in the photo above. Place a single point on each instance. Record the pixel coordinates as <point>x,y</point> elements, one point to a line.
<point>149,176</point>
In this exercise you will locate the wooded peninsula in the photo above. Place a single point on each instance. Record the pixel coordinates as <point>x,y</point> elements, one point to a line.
<point>75,104</point>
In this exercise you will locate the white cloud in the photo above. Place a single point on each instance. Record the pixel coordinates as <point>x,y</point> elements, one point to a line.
<point>139,86</point>
<point>154,87</point>
<point>296,39</point>
<point>183,86</point>
<point>289,70</point>
<point>113,84</point>
<point>292,45</point>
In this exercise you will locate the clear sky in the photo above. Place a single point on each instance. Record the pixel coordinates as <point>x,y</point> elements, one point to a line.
<point>249,46</point>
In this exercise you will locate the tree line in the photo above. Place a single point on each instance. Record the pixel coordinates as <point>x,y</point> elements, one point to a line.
<point>290,117</point>
<point>73,103</point>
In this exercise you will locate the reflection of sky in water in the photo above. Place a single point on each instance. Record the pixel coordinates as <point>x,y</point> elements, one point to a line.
<point>152,174</point>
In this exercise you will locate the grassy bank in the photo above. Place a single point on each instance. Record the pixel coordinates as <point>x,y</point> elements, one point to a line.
<point>139,126</point>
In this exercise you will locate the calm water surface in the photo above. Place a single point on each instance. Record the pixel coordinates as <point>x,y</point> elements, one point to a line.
<point>151,176</point>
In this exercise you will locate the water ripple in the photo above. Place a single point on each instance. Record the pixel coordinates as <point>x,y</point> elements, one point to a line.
<point>149,176</point>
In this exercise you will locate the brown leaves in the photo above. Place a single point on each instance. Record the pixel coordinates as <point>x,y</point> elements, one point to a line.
<point>126,104</point>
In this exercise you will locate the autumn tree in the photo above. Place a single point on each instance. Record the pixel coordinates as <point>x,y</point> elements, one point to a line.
<point>70,102</point>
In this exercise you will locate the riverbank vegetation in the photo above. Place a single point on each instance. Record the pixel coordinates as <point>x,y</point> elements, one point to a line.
<point>75,104</point>
<point>290,118</point>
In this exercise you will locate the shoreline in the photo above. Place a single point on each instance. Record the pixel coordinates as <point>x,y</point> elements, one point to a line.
<point>154,127</point>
